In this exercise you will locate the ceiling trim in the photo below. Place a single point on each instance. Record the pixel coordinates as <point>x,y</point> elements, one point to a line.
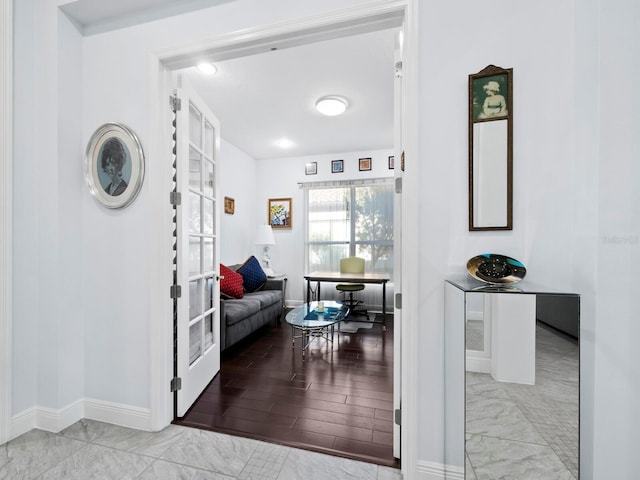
<point>379,15</point>
<point>81,13</point>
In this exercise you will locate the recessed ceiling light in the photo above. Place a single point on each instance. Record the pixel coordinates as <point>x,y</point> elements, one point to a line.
<point>207,68</point>
<point>284,143</point>
<point>332,105</point>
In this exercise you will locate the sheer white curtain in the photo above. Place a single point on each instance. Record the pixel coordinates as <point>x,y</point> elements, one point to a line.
<point>347,219</point>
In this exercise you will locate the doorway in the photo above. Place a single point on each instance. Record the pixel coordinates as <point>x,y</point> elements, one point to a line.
<point>349,24</point>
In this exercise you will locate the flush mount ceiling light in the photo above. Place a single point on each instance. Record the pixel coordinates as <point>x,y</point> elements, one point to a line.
<point>207,68</point>
<point>332,105</point>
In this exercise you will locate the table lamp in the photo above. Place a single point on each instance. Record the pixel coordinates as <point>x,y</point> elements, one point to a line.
<point>265,238</point>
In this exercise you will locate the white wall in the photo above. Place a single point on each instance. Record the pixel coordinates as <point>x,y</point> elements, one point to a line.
<point>280,178</point>
<point>48,328</point>
<point>616,374</point>
<point>69,327</point>
<point>542,232</point>
<point>26,215</point>
<point>585,188</point>
<point>238,180</point>
<point>575,187</point>
<point>115,243</point>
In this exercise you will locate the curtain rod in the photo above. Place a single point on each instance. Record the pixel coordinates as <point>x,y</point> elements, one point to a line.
<point>346,183</point>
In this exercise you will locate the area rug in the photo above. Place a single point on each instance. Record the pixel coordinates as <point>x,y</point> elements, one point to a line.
<point>353,327</point>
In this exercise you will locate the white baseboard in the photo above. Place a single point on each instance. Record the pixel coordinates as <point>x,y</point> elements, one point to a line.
<point>436,471</point>
<point>22,423</point>
<point>430,471</point>
<point>475,315</point>
<point>46,419</point>
<point>455,473</point>
<point>55,421</point>
<point>118,414</point>
<point>478,364</point>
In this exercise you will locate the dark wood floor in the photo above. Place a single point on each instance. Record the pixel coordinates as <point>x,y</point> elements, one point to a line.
<point>337,401</point>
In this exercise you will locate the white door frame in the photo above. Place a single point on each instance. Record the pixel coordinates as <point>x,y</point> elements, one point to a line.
<point>6,214</point>
<point>360,19</point>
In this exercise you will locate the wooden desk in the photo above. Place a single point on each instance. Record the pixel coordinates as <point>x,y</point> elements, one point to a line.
<point>337,277</point>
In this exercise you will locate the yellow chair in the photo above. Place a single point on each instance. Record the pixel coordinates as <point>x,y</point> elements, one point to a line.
<point>352,265</point>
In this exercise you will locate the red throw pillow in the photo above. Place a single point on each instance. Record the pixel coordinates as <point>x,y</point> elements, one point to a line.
<point>230,283</point>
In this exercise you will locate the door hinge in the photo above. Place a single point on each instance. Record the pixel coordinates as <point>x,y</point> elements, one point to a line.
<point>175,102</point>
<point>175,291</point>
<point>398,302</point>
<point>175,198</point>
<point>398,69</point>
<point>176,384</point>
<point>399,185</point>
<point>397,416</point>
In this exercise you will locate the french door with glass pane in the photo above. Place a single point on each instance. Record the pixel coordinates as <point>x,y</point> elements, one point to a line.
<point>198,319</point>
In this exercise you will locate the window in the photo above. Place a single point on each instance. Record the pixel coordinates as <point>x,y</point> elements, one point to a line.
<point>350,220</point>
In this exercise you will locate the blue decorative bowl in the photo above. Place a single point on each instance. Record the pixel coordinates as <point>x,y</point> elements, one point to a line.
<point>496,268</point>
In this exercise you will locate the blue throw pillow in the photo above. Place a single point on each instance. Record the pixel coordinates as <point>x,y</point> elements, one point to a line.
<point>253,277</point>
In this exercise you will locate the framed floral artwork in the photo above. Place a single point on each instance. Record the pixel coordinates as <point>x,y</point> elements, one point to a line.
<point>280,213</point>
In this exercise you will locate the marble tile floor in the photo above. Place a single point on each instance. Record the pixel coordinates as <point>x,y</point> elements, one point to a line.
<point>90,450</point>
<point>526,431</point>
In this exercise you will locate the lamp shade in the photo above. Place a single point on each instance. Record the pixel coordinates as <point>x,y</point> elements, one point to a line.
<point>265,236</point>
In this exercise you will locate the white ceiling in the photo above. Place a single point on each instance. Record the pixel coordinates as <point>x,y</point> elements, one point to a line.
<point>263,98</point>
<point>96,16</point>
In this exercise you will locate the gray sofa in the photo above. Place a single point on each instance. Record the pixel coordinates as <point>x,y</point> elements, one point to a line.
<point>240,317</point>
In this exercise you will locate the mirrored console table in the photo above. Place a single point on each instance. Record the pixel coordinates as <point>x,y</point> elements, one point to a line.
<point>492,337</point>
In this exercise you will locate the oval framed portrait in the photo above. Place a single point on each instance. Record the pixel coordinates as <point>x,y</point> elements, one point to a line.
<point>114,165</point>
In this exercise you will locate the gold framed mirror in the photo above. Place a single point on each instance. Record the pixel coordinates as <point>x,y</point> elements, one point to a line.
<point>491,149</point>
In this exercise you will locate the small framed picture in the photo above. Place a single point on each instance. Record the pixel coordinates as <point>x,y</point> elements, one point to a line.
<point>280,213</point>
<point>365,164</point>
<point>311,168</point>
<point>392,161</point>
<point>337,166</point>
<point>490,94</point>
<point>114,165</point>
<point>229,205</point>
